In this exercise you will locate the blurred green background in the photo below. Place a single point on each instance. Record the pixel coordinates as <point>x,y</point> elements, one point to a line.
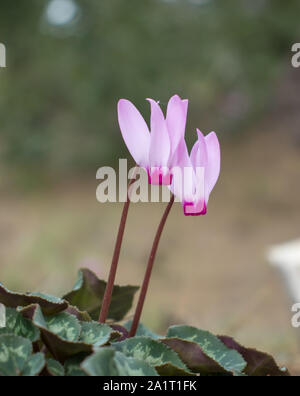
<point>68,62</point>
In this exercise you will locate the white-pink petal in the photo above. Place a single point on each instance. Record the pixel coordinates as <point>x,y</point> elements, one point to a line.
<point>176,120</point>
<point>199,156</point>
<point>135,131</point>
<point>159,152</point>
<point>213,164</point>
<point>183,173</point>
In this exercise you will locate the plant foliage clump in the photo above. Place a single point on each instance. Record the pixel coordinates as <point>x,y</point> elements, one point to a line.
<point>49,336</point>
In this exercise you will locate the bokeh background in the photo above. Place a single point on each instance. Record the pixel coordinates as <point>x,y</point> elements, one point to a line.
<point>68,62</point>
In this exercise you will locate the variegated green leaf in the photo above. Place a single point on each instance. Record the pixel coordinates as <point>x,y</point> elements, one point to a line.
<point>101,363</point>
<point>226,359</point>
<point>34,365</point>
<point>128,366</point>
<point>95,333</point>
<point>14,353</point>
<point>60,333</point>
<point>259,364</point>
<point>64,325</point>
<point>155,353</point>
<point>49,304</point>
<point>54,368</point>
<point>142,330</point>
<point>121,331</point>
<point>83,316</point>
<point>108,362</point>
<point>88,293</point>
<point>19,326</point>
<point>72,366</point>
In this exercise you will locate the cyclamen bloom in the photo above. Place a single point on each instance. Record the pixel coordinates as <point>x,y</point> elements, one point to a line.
<point>198,173</point>
<point>155,151</point>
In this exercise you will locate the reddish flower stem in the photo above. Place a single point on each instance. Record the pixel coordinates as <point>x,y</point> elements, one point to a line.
<point>140,304</point>
<point>115,260</point>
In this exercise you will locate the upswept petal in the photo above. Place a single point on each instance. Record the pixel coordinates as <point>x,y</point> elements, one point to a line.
<point>199,155</point>
<point>135,131</point>
<point>181,156</point>
<point>199,159</point>
<point>159,151</point>
<point>214,162</point>
<point>183,173</point>
<point>176,120</point>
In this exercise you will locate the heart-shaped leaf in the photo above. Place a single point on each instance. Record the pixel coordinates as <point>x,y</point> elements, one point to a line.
<point>203,352</point>
<point>80,315</point>
<point>259,364</point>
<point>130,366</point>
<point>61,342</point>
<point>88,293</point>
<point>64,325</point>
<point>54,368</point>
<point>49,304</point>
<point>34,365</point>
<point>155,353</point>
<point>120,330</point>
<point>96,334</point>
<point>18,325</point>
<point>192,355</point>
<point>16,356</point>
<point>72,366</point>
<point>142,330</point>
<point>65,336</point>
<point>108,362</point>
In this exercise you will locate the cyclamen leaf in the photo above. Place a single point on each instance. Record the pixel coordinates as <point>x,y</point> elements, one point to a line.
<point>54,368</point>
<point>259,364</point>
<point>108,362</point>
<point>49,304</point>
<point>128,366</point>
<point>80,315</point>
<point>61,348</point>
<point>14,353</point>
<point>211,347</point>
<point>95,333</point>
<point>155,353</point>
<point>19,326</point>
<point>65,336</point>
<point>72,366</point>
<point>142,330</point>
<point>101,363</point>
<point>88,292</point>
<point>121,330</point>
<point>64,325</point>
<point>34,365</point>
<point>192,355</point>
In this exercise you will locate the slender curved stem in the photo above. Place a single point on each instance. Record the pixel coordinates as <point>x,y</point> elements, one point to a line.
<point>115,260</point>
<point>144,289</point>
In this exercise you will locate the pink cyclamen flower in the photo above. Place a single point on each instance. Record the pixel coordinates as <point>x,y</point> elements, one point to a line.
<point>197,173</point>
<point>155,151</point>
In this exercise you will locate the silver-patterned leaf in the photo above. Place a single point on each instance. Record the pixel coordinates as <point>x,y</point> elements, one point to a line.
<point>95,333</point>
<point>65,325</point>
<point>108,362</point>
<point>54,368</point>
<point>155,353</point>
<point>228,359</point>
<point>14,353</point>
<point>18,325</point>
<point>34,365</point>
